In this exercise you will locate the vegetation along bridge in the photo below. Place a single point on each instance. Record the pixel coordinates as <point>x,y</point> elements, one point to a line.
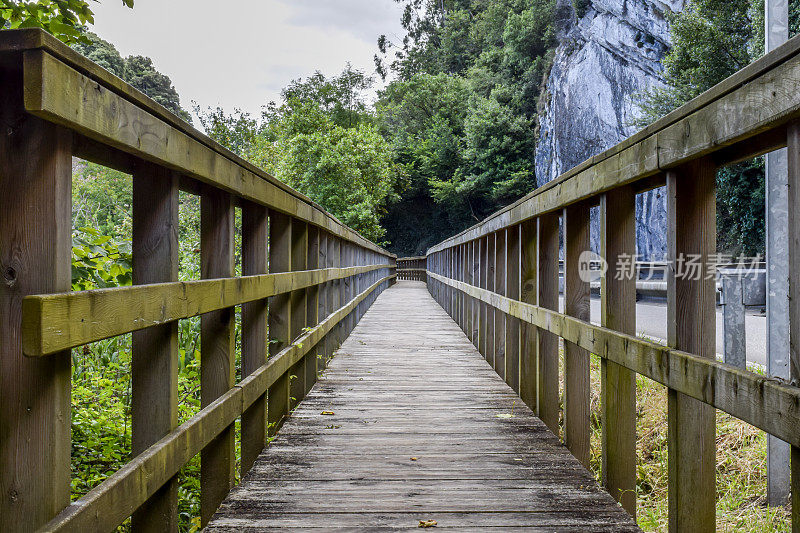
<point>438,405</point>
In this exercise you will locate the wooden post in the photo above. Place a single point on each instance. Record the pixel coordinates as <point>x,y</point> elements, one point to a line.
<point>618,312</point>
<point>548,298</point>
<point>35,254</point>
<point>576,359</point>
<point>691,320</point>
<point>312,306</point>
<point>280,316</point>
<point>491,244</point>
<point>482,307</point>
<point>297,384</point>
<point>347,261</point>
<point>324,292</point>
<point>339,258</point>
<point>462,307</point>
<point>529,342</point>
<point>154,365</point>
<point>500,317</point>
<point>255,236</point>
<point>513,291</point>
<point>217,351</point>
<point>475,279</point>
<point>793,231</point>
<point>332,297</point>
<point>469,267</point>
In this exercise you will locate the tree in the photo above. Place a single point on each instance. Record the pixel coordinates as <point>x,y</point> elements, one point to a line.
<point>711,40</point>
<point>136,70</point>
<point>65,19</point>
<point>140,73</point>
<point>462,114</point>
<point>322,140</point>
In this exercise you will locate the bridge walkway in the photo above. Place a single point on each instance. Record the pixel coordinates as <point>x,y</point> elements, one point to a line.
<point>408,424</point>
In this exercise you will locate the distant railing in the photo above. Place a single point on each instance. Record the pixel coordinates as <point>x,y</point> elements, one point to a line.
<point>411,269</point>
<point>499,280</point>
<point>307,279</point>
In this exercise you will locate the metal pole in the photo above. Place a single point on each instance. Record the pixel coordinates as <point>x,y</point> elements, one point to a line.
<point>733,320</point>
<point>777,186</point>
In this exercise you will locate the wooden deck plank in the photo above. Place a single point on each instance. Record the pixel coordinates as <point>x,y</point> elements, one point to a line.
<point>421,429</point>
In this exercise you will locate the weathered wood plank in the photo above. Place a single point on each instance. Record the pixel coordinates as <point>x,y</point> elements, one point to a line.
<point>547,288</point>
<point>491,346</point>
<point>691,301</point>
<point>54,322</point>
<point>576,359</point>
<point>217,373</point>
<point>280,317</point>
<point>255,235</point>
<point>529,342</point>
<point>299,310</point>
<point>356,459</point>
<point>35,254</point>
<point>313,296</point>
<point>512,274</point>
<point>499,318</point>
<point>618,312</point>
<point>154,367</point>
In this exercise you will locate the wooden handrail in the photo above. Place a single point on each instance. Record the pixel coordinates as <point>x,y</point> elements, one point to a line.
<point>317,276</point>
<point>500,281</point>
<point>411,268</point>
<point>55,322</point>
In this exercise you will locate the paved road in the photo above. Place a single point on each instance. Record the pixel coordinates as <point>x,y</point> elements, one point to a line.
<point>651,321</point>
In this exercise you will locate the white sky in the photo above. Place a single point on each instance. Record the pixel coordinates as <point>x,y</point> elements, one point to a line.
<point>241,53</point>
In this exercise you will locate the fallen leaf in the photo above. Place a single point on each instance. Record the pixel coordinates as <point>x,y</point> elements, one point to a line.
<point>505,415</point>
<point>427,523</point>
<point>327,413</point>
<point>517,459</point>
<point>413,458</point>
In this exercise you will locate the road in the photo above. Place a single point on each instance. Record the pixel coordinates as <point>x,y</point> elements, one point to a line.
<point>651,322</point>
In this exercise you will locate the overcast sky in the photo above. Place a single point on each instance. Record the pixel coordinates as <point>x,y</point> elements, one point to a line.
<point>240,53</point>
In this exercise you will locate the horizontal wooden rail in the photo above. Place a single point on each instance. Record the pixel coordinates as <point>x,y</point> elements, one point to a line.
<point>111,502</point>
<point>746,395</point>
<point>56,322</point>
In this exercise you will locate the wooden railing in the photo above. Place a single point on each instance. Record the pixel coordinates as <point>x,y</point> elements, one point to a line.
<point>499,281</point>
<point>411,268</point>
<point>307,279</point>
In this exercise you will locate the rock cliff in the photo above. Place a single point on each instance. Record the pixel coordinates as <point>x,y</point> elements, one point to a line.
<point>609,51</point>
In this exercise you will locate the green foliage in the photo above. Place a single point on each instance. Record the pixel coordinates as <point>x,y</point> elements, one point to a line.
<point>711,40</point>
<point>322,141</point>
<point>462,115</point>
<point>136,70</point>
<point>348,170</point>
<point>99,262</point>
<point>741,208</point>
<point>64,19</point>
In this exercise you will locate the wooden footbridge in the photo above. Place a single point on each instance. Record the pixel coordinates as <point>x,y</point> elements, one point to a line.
<point>439,397</point>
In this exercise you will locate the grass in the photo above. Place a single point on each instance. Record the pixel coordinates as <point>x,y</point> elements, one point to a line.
<point>741,464</point>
